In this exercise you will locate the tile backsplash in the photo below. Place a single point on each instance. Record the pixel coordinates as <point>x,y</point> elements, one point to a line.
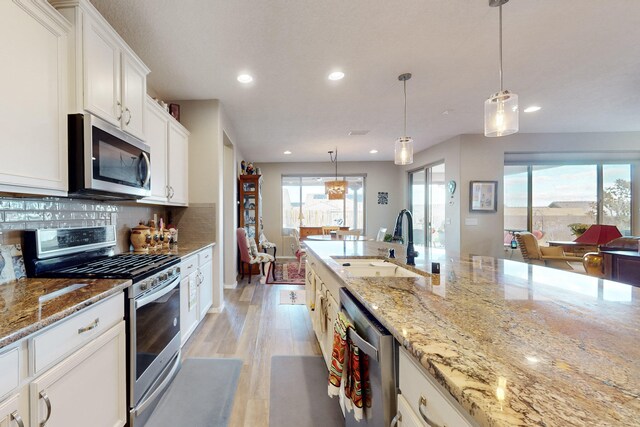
<point>17,214</point>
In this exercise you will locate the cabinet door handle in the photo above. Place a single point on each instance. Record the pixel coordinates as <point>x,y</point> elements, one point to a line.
<point>394,421</point>
<point>119,110</point>
<point>89,327</point>
<point>128,115</point>
<point>172,192</point>
<point>47,402</point>
<point>17,418</point>
<point>423,402</point>
<point>190,266</point>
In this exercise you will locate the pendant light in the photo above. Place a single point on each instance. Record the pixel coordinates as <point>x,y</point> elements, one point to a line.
<point>404,145</point>
<point>335,190</point>
<point>501,109</point>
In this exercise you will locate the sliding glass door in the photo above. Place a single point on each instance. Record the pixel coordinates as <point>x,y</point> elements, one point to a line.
<point>427,204</point>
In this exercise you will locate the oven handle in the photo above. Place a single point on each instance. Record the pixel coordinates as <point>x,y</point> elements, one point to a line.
<point>143,405</point>
<point>157,294</point>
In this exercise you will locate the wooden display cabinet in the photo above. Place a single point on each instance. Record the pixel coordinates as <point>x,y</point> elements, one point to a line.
<point>250,209</point>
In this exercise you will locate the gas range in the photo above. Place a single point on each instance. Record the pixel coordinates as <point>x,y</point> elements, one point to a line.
<point>152,309</point>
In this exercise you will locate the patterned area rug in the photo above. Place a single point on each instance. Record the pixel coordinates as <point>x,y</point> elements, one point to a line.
<point>286,274</point>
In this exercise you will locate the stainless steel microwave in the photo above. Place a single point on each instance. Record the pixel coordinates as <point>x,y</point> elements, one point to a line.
<point>106,163</point>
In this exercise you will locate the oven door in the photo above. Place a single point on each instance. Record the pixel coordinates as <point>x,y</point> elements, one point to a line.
<point>154,336</point>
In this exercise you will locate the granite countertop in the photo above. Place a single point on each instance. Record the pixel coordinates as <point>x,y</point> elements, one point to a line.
<point>25,310</point>
<point>566,345</point>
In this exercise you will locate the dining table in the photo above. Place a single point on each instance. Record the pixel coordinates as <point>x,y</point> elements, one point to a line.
<point>336,237</point>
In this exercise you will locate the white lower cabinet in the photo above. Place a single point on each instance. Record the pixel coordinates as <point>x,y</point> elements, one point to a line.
<point>332,314</point>
<point>10,414</point>
<point>188,306</point>
<point>327,306</point>
<point>87,388</point>
<point>406,416</point>
<point>196,291</point>
<point>205,288</point>
<point>424,401</point>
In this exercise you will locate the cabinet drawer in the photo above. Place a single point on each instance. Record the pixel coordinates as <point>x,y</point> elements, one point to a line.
<point>189,265</point>
<point>9,371</point>
<point>427,398</point>
<point>407,417</point>
<point>205,256</point>
<point>75,332</point>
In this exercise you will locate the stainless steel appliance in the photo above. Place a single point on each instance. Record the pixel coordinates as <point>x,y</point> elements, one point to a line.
<point>152,310</point>
<point>105,162</point>
<point>376,342</point>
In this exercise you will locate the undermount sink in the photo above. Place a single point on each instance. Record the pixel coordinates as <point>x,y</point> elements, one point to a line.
<point>363,267</point>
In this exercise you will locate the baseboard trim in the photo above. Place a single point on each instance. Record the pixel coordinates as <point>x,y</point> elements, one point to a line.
<point>214,310</point>
<point>232,286</point>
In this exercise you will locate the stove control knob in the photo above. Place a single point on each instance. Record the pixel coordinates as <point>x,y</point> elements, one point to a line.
<point>163,277</point>
<point>177,270</point>
<point>144,286</point>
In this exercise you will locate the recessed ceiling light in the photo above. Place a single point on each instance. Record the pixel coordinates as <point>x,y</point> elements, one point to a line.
<point>245,78</point>
<point>358,132</point>
<point>374,151</point>
<point>287,152</point>
<point>336,75</point>
<point>532,109</point>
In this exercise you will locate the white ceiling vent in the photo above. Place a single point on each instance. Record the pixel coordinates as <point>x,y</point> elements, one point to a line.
<point>358,132</point>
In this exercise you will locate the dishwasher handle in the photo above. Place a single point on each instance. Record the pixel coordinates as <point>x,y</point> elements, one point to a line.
<point>362,344</point>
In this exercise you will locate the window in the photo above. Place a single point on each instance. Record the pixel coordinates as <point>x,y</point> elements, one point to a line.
<point>427,205</point>
<point>546,198</point>
<point>305,203</point>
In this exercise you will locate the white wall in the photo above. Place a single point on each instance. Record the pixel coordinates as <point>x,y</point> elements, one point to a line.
<point>449,153</point>
<point>210,129</point>
<point>380,176</point>
<point>475,157</point>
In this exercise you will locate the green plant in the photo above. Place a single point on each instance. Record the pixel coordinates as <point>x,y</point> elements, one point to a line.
<point>388,237</point>
<point>578,228</point>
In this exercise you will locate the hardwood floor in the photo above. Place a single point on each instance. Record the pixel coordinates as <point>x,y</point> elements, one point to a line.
<point>253,327</point>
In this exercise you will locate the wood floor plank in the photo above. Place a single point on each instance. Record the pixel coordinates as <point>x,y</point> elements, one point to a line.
<point>253,327</point>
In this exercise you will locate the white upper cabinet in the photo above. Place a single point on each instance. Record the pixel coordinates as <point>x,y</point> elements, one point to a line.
<point>33,113</point>
<point>106,77</point>
<point>102,73</point>
<point>178,165</point>
<point>156,130</point>
<point>169,142</point>
<point>134,92</point>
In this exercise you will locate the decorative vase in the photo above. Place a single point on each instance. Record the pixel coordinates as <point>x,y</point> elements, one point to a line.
<point>140,238</point>
<point>593,264</point>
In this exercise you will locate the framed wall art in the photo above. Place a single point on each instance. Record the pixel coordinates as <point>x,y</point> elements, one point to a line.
<point>483,196</point>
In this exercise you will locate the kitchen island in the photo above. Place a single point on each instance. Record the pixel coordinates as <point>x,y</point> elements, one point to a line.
<point>513,343</point>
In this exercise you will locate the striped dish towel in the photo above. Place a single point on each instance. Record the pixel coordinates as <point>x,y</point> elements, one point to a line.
<point>348,365</point>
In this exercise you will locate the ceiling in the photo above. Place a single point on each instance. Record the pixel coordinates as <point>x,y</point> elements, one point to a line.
<point>578,59</point>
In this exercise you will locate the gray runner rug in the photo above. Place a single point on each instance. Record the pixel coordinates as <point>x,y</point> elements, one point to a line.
<point>298,395</point>
<point>201,394</point>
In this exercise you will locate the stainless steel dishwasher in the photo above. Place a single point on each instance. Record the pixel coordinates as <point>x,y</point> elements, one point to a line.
<point>373,339</point>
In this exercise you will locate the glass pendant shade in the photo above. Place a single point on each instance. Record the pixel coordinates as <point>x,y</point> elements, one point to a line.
<point>501,114</point>
<point>404,151</point>
<point>335,190</point>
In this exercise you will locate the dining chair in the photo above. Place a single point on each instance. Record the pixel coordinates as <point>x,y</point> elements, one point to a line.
<point>326,229</point>
<point>266,245</point>
<point>297,248</point>
<point>550,256</point>
<point>249,254</point>
<point>381,233</point>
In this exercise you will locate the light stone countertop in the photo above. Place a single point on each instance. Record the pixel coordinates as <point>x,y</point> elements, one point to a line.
<point>568,345</point>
